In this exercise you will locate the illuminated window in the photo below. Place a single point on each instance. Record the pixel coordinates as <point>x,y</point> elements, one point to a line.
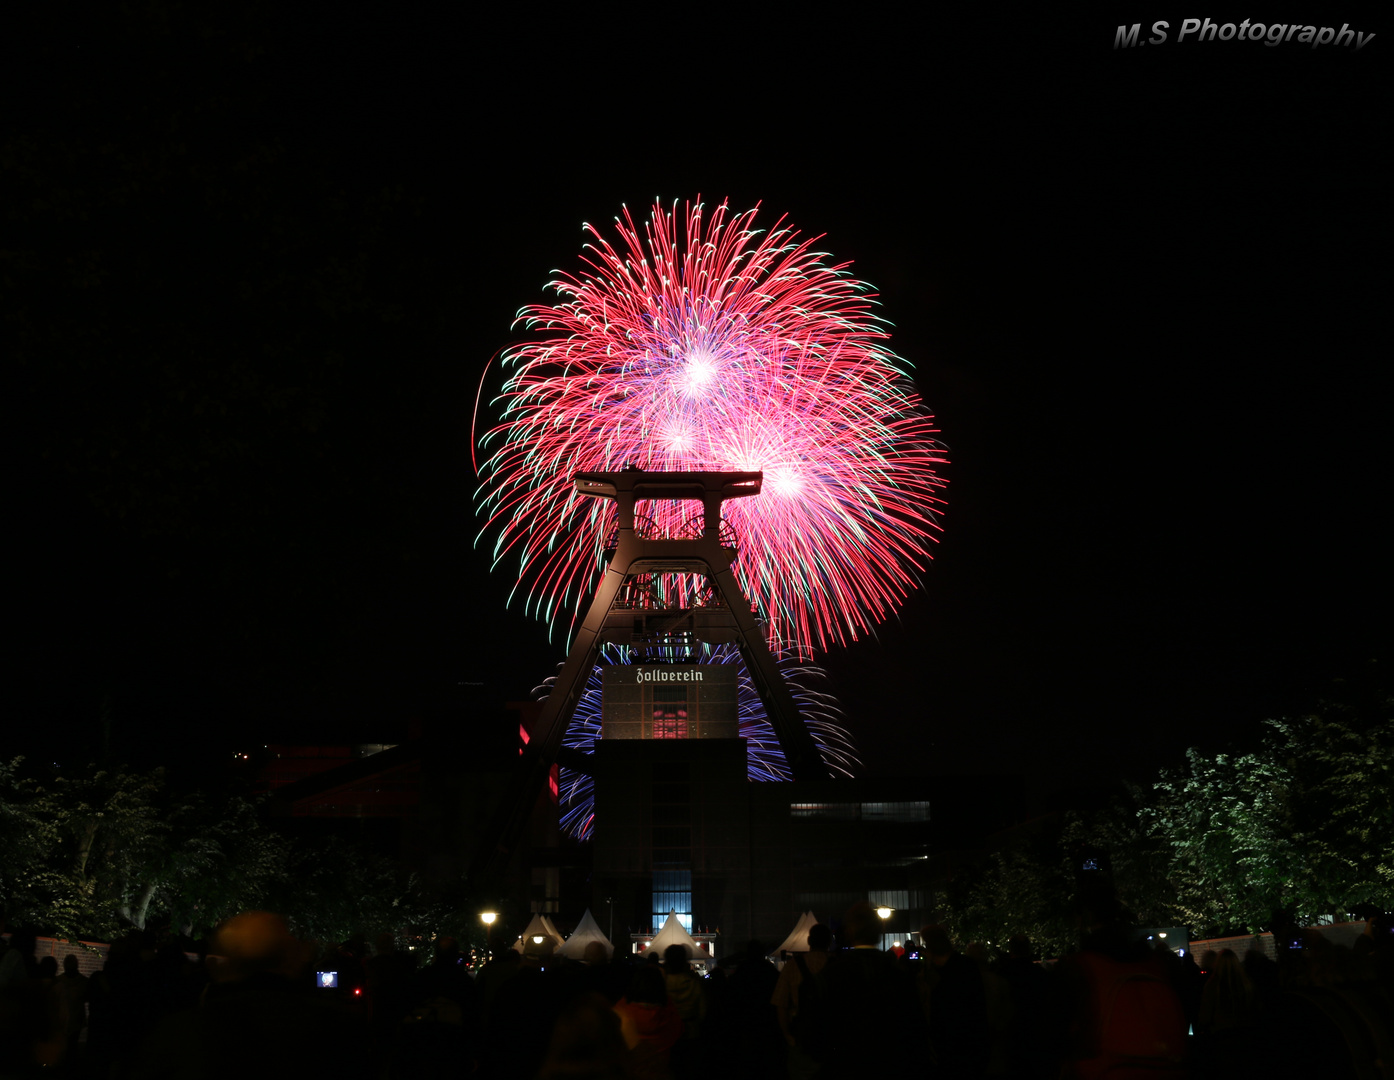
<point>846,811</point>
<point>879,812</point>
<point>895,899</point>
<point>895,811</point>
<point>670,712</point>
<point>671,836</point>
<point>672,891</point>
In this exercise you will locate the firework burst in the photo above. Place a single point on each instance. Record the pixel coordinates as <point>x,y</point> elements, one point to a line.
<point>703,342</point>
<point>765,759</point>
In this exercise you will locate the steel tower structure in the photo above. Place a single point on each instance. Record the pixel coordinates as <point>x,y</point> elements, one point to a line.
<point>624,612</point>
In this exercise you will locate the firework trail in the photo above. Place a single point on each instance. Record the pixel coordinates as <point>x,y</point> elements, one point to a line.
<point>703,342</point>
<point>765,759</point>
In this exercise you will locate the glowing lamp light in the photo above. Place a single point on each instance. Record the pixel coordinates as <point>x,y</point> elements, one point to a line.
<point>488,917</point>
<point>537,939</point>
<point>885,912</point>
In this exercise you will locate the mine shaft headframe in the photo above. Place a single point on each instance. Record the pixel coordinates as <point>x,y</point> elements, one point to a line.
<point>628,486</point>
<point>705,555</point>
<point>635,557</point>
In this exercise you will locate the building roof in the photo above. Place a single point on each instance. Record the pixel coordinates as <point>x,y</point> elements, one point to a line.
<point>540,925</point>
<point>586,931</point>
<point>797,941</point>
<point>674,934</point>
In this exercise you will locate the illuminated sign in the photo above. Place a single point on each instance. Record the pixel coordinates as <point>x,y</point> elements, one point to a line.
<point>669,701</point>
<point>667,674</point>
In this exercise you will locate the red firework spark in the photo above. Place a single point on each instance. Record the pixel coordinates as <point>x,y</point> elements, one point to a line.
<point>705,343</point>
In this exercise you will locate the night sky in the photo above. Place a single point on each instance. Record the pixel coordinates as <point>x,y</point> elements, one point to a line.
<point>254,269</point>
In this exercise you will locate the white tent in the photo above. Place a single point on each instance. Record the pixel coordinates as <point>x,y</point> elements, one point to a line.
<point>797,941</point>
<point>586,931</point>
<point>674,934</point>
<point>540,926</point>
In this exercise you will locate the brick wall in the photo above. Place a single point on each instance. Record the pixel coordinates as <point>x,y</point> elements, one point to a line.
<point>91,955</point>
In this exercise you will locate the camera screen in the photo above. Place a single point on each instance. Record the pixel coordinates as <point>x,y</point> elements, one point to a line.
<point>327,979</point>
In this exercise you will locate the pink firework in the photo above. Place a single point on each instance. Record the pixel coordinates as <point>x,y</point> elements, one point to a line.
<point>705,343</point>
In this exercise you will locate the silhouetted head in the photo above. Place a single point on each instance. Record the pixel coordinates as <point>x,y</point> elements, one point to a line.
<point>539,952</point>
<point>1262,971</point>
<point>1019,948</point>
<point>70,964</point>
<point>675,959</point>
<point>646,986</point>
<point>861,926</point>
<point>447,948</point>
<point>936,940</point>
<point>1228,969</point>
<point>820,937</point>
<point>595,954</point>
<point>586,1041</point>
<point>1096,906</point>
<point>252,943</point>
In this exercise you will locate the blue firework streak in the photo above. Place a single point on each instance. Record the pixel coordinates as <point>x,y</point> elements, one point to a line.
<point>818,708</point>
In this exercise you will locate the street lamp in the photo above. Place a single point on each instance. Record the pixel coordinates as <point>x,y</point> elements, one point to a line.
<point>885,913</point>
<point>488,917</point>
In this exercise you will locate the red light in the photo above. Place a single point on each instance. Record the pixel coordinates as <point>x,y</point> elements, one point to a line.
<point>356,991</point>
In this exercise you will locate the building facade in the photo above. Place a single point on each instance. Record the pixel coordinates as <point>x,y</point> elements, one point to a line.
<point>680,827</point>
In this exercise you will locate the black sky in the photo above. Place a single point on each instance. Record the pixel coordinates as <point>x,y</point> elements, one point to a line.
<point>1145,292</point>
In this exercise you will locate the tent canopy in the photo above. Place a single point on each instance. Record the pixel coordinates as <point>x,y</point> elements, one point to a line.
<point>586,931</point>
<point>674,934</point>
<point>797,941</point>
<point>540,925</point>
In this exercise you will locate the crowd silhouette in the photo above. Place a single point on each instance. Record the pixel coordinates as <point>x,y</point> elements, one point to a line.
<point>253,1005</point>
